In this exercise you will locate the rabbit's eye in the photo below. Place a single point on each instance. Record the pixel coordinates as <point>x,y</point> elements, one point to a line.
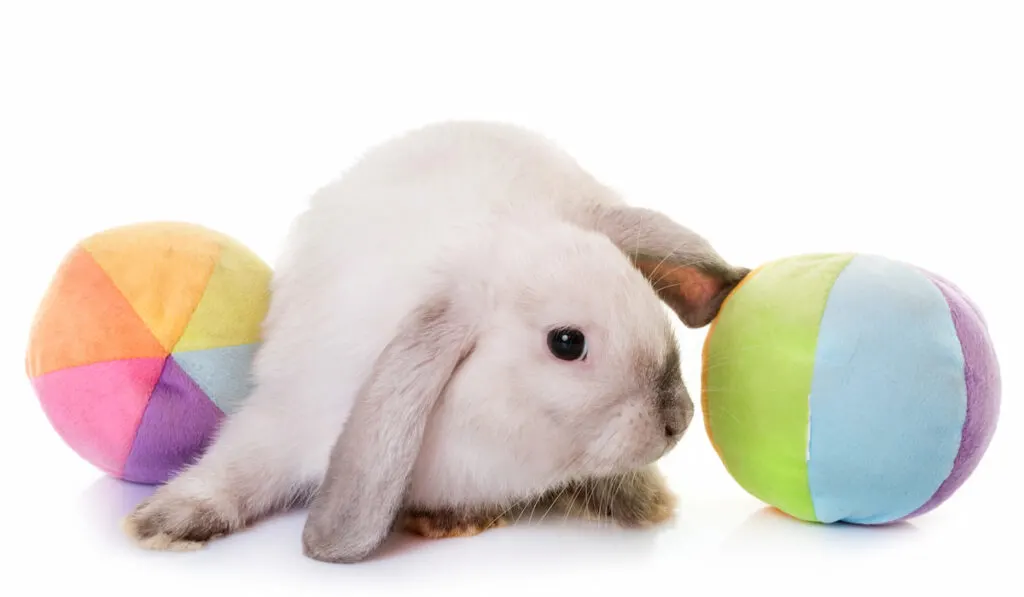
<point>568,344</point>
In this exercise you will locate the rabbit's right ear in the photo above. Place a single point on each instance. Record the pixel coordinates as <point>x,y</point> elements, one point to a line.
<point>684,269</point>
<point>370,464</point>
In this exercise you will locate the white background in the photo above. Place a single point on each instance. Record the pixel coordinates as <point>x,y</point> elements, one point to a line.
<point>772,128</point>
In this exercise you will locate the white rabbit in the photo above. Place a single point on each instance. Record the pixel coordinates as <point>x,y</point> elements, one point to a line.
<point>464,323</point>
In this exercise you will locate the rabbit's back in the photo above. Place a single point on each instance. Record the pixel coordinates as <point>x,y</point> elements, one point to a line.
<point>452,169</point>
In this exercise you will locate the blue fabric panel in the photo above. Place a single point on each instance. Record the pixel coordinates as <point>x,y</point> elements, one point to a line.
<point>223,373</point>
<point>888,396</point>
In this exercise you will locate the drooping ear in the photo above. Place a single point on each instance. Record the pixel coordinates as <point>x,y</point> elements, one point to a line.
<point>370,465</point>
<point>685,271</point>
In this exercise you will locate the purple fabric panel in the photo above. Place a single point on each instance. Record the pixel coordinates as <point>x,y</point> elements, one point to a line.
<point>981,371</point>
<point>178,424</point>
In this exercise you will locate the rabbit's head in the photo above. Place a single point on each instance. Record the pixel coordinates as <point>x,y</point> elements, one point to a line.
<point>545,354</point>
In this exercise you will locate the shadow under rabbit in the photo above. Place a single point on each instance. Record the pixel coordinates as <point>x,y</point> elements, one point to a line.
<point>536,543</point>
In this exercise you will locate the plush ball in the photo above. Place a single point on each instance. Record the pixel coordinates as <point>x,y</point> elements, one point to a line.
<point>144,341</point>
<point>849,387</point>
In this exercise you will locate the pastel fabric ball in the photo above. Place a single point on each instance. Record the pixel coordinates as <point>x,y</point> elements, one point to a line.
<point>849,387</point>
<point>142,343</point>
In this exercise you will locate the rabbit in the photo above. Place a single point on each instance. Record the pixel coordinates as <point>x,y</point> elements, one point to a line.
<point>464,324</point>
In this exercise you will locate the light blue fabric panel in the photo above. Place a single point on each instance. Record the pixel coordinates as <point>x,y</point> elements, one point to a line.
<point>888,396</point>
<point>223,373</point>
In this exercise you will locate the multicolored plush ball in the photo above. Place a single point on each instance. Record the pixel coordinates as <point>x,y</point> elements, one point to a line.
<point>849,387</point>
<point>144,341</point>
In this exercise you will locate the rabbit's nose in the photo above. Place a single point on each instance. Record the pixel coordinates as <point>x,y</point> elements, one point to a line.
<point>677,414</point>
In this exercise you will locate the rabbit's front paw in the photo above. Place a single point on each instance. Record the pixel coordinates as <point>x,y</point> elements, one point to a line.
<point>168,522</point>
<point>642,499</point>
<point>638,498</point>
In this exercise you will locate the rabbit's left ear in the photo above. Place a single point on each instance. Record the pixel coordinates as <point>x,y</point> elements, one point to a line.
<point>363,490</point>
<point>686,272</point>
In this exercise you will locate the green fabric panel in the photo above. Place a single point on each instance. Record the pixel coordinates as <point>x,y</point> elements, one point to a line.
<point>758,365</point>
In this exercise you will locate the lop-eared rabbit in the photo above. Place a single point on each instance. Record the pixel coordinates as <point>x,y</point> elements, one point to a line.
<point>463,324</point>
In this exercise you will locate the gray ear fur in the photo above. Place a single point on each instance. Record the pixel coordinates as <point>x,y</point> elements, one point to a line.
<point>685,271</point>
<point>370,465</point>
